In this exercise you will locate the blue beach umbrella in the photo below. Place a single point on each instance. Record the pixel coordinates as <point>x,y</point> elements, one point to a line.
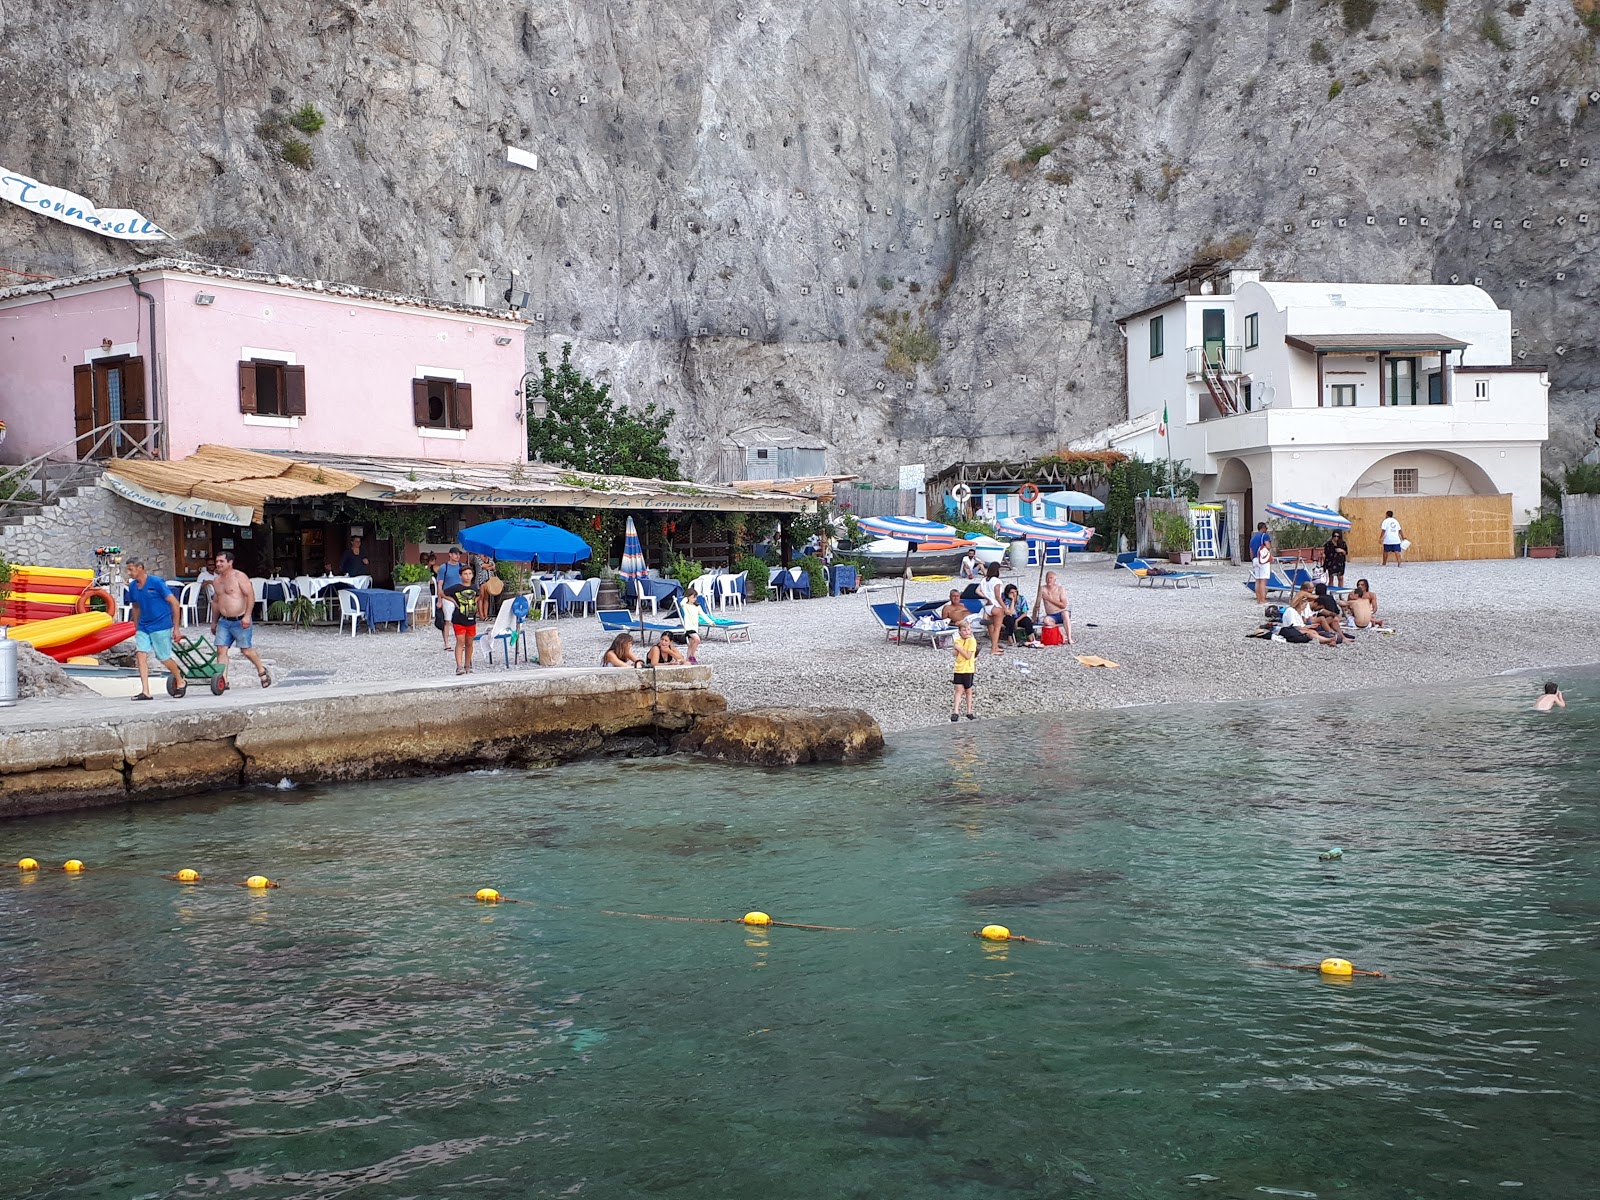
<point>1309,514</point>
<point>1042,529</point>
<point>518,539</point>
<point>1073,500</point>
<point>909,530</point>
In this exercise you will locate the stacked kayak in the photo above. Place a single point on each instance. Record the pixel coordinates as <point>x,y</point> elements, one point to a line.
<point>42,609</point>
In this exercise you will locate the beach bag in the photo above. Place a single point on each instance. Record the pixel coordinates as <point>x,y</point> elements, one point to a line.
<point>1052,635</point>
<point>1405,544</point>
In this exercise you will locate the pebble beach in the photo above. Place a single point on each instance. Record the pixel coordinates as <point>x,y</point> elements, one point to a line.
<point>1451,621</point>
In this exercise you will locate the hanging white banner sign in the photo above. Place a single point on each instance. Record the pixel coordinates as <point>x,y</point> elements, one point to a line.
<point>62,205</point>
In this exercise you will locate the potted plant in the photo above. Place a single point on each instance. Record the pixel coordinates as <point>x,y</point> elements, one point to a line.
<point>1543,536</point>
<point>1173,531</point>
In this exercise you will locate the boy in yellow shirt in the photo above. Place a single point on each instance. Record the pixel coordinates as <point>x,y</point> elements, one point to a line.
<point>966,667</point>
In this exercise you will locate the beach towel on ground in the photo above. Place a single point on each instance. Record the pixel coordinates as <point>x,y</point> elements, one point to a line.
<point>1094,660</point>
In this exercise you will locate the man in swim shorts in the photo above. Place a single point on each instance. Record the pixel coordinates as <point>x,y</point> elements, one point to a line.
<point>1551,698</point>
<point>1053,605</point>
<point>231,616</point>
<point>155,613</point>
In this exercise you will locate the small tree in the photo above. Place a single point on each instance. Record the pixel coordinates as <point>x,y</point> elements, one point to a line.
<point>584,428</point>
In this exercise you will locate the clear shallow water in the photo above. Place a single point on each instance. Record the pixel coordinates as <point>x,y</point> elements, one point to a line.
<point>366,1031</point>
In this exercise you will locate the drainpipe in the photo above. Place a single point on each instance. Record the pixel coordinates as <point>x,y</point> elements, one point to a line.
<point>157,409</point>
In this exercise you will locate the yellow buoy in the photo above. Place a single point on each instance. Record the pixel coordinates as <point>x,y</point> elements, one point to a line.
<point>1336,966</point>
<point>757,918</point>
<point>72,865</point>
<point>258,882</point>
<point>27,864</point>
<point>489,896</point>
<point>995,933</point>
<point>188,875</point>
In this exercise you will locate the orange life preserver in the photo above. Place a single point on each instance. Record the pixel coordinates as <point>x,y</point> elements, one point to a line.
<point>1028,493</point>
<point>89,594</point>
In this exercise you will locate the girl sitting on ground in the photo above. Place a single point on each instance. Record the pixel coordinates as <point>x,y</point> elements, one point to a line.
<point>1016,621</point>
<point>620,653</point>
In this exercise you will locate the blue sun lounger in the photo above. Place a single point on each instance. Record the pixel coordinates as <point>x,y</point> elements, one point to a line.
<point>899,625</point>
<point>1153,575</point>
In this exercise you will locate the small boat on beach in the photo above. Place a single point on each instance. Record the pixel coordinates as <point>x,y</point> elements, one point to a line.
<point>937,556</point>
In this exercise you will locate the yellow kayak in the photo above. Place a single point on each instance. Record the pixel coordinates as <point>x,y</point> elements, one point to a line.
<point>59,574</point>
<point>58,631</point>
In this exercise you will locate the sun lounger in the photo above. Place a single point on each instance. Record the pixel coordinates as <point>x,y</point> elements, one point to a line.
<point>1153,575</point>
<point>1277,584</point>
<point>622,621</point>
<point>899,625</point>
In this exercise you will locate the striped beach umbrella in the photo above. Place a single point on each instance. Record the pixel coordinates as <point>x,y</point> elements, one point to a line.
<point>1308,514</point>
<point>633,565</point>
<point>1042,529</point>
<point>909,530</point>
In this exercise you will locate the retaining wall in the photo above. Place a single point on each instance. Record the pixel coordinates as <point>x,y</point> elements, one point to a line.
<point>66,533</point>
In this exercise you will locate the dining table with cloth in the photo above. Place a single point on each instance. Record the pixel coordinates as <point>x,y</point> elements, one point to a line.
<point>380,606</point>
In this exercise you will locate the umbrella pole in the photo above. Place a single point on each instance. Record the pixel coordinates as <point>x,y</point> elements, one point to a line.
<point>1038,588</point>
<point>904,571</point>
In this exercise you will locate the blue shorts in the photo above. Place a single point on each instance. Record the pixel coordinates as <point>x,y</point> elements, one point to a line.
<point>1391,548</point>
<point>232,631</point>
<point>156,641</point>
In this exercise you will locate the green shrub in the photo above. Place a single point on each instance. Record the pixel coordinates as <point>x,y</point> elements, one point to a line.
<point>1296,534</point>
<point>1335,88</point>
<point>1035,153</point>
<point>1490,29</point>
<point>1505,125</point>
<point>515,575</point>
<point>1172,530</point>
<point>1545,530</point>
<point>818,571</point>
<point>5,576</point>
<point>307,119</point>
<point>1358,14</point>
<point>1583,479</point>
<point>408,573</point>
<point>755,570</point>
<point>1319,53</point>
<point>684,570</point>
<point>296,153</point>
<point>1434,8</point>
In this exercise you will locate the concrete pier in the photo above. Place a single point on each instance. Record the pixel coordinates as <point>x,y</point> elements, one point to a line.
<point>66,754</point>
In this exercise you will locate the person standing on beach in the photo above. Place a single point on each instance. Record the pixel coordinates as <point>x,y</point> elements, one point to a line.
<point>1261,560</point>
<point>464,621</point>
<point>994,612</point>
<point>1393,540</point>
<point>356,562</point>
<point>1552,698</point>
<point>445,576</point>
<point>1053,608</point>
<point>1335,557</point>
<point>230,617</point>
<point>966,649</point>
<point>155,613</point>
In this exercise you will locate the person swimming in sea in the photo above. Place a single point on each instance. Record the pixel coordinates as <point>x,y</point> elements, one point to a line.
<point>1552,698</point>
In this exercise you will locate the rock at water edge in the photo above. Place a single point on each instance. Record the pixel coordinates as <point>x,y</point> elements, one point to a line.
<point>776,736</point>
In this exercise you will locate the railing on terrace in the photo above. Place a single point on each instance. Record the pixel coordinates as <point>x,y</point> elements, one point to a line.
<point>39,482</point>
<point>1217,357</point>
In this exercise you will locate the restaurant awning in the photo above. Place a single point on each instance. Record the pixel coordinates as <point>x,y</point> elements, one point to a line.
<point>1374,343</point>
<point>218,483</point>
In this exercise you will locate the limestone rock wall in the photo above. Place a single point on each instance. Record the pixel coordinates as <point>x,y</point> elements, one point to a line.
<point>66,534</point>
<point>905,226</point>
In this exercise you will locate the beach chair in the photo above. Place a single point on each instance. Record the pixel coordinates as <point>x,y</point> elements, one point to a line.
<point>1301,577</point>
<point>622,621</point>
<point>899,625</point>
<point>350,610</point>
<point>1277,584</point>
<point>731,630</point>
<point>1154,575</point>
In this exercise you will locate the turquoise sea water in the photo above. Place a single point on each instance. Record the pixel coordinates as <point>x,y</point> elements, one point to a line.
<point>367,1030</point>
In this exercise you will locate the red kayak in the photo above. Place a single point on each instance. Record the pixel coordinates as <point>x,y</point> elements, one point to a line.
<point>100,639</point>
<point>27,610</point>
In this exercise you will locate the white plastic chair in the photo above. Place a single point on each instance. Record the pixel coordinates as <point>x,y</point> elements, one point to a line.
<point>188,611</point>
<point>350,610</point>
<point>729,593</point>
<point>586,594</point>
<point>259,585</point>
<point>545,599</point>
<point>413,594</point>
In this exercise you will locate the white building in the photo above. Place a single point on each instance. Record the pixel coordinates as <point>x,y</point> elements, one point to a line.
<point>1317,391</point>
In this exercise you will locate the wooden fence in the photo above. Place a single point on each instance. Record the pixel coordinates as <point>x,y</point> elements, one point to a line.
<point>1438,527</point>
<point>1580,518</point>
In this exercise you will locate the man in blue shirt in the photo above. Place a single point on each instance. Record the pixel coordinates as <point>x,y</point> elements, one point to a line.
<point>155,613</point>
<point>446,577</point>
<point>1261,560</point>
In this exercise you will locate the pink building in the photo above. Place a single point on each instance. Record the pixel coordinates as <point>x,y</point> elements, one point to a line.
<point>176,355</point>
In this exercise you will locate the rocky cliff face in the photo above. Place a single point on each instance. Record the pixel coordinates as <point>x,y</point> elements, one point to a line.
<point>905,225</point>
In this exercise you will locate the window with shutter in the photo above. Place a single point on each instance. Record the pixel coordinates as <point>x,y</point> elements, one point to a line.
<point>133,394</point>
<point>247,387</point>
<point>419,402</point>
<point>294,391</point>
<point>461,406</point>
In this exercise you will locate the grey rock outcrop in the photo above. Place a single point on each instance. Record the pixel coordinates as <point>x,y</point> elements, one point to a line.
<point>781,736</point>
<point>907,226</point>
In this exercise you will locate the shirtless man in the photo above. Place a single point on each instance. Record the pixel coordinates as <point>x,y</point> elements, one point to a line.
<point>1053,608</point>
<point>955,612</point>
<point>1551,698</point>
<point>230,617</point>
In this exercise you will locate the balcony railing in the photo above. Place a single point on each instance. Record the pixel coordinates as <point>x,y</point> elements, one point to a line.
<point>39,482</point>
<point>1219,358</point>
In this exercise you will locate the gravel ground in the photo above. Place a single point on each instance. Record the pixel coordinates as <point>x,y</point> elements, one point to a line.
<point>1455,620</point>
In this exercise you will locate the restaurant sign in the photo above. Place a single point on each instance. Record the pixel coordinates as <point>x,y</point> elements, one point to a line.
<point>183,506</point>
<point>62,205</point>
<point>577,499</point>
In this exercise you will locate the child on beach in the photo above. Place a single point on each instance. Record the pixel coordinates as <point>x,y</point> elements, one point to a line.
<point>966,647</point>
<point>1552,698</point>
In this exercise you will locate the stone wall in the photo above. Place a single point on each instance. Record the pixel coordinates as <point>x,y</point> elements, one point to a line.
<point>66,534</point>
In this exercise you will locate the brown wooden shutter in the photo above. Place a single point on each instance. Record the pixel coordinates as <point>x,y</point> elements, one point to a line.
<point>294,391</point>
<point>83,407</point>
<point>247,387</point>
<point>419,402</point>
<point>133,405</point>
<point>461,406</point>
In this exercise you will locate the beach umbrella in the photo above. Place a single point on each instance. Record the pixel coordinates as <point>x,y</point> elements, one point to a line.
<point>1042,529</point>
<point>518,539</point>
<point>633,565</point>
<point>1073,500</point>
<point>909,530</point>
<point>1309,514</point>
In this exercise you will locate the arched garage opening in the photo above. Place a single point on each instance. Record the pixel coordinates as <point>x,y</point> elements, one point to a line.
<point>1424,473</point>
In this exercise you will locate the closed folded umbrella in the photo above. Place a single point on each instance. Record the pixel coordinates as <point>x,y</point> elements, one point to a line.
<point>909,530</point>
<point>1309,514</point>
<point>1042,529</point>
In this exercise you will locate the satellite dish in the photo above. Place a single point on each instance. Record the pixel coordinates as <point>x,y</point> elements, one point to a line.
<point>1264,395</point>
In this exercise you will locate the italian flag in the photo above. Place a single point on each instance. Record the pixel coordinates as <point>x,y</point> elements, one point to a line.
<point>1161,430</point>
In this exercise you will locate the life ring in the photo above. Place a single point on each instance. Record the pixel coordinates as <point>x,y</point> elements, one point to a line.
<point>1028,493</point>
<point>89,594</point>
<point>961,493</point>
